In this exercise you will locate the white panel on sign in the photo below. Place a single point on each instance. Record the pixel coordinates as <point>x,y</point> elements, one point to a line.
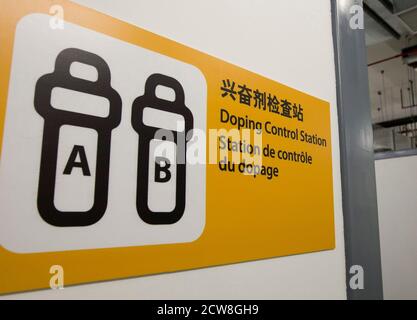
<point>81,152</point>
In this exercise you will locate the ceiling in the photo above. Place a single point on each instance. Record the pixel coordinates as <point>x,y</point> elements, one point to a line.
<point>406,10</point>
<point>383,18</point>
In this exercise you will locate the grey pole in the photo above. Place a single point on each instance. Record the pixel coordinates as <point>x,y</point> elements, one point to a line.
<point>357,157</point>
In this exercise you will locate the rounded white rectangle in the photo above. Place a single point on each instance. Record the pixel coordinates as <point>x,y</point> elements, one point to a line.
<point>22,230</point>
<point>80,102</point>
<point>74,190</point>
<point>164,120</point>
<point>162,183</point>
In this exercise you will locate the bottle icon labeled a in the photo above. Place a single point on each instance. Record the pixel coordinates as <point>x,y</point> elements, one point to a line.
<point>61,124</point>
<point>164,128</point>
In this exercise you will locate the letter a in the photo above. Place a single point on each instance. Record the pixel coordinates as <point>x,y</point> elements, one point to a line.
<point>72,163</point>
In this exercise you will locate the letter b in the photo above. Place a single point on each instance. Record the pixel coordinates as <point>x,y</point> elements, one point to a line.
<point>162,173</point>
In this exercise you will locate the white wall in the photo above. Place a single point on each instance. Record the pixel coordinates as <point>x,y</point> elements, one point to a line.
<point>397,206</point>
<point>289,41</point>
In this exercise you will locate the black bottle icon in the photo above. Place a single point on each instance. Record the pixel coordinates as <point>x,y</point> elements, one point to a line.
<point>148,133</point>
<point>56,118</point>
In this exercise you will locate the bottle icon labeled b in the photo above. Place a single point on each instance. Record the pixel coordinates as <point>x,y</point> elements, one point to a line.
<point>162,151</point>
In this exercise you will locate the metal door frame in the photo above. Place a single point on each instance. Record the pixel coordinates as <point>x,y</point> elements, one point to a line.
<point>360,211</point>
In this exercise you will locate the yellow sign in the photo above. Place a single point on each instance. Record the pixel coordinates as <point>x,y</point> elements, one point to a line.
<point>124,153</point>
